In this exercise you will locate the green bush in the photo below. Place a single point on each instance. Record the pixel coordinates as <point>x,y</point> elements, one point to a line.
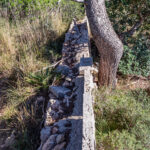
<point>124,14</point>
<point>18,9</point>
<point>136,60</point>
<point>123,120</point>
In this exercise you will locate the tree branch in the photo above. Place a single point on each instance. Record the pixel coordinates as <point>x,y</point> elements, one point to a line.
<point>133,29</point>
<point>136,26</point>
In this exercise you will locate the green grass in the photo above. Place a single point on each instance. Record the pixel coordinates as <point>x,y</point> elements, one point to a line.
<point>122,120</point>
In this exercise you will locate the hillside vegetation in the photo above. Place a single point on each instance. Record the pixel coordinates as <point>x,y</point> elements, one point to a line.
<point>31,38</point>
<point>122,115</point>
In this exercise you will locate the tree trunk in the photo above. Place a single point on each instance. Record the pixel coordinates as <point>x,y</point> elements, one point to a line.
<point>109,45</point>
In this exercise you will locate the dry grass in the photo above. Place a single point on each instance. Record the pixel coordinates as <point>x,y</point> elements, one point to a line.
<point>28,44</point>
<point>23,45</point>
<point>25,48</point>
<point>133,82</point>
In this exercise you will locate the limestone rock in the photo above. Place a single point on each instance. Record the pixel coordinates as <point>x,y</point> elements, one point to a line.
<point>45,133</point>
<point>60,146</point>
<point>64,69</point>
<point>50,143</point>
<point>60,138</point>
<point>63,125</point>
<point>54,130</point>
<point>59,91</point>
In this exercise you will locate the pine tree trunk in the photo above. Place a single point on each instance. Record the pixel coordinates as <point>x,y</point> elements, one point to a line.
<point>109,45</point>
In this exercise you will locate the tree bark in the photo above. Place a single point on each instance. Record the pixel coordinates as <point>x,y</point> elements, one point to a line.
<point>109,45</point>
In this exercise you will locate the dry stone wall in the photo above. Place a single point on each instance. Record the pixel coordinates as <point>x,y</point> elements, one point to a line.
<point>69,118</point>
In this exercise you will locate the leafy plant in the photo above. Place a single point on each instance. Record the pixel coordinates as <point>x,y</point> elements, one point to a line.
<point>125,15</point>
<point>136,60</point>
<point>122,120</point>
<point>42,79</point>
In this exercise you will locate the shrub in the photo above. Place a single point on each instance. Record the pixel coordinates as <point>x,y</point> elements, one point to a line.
<point>136,60</point>
<point>124,14</point>
<point>122,120</point>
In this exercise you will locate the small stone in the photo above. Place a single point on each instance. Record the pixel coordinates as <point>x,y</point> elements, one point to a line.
<point>60,146</point>
<point>50,143</point>
<point>61,111</point>
<point>48,108</point>
<point>60,138</point>
<point>54,130</point>
<point>48,120</point>
<point>66,84</point>
<point>59,91</point>
<point>64,69</point>
<point>55,105</point>
<point>68,78</point>
<point>45,133</point>
<point>69,60</point>
<point>63,125</point>
<point>94,70</point>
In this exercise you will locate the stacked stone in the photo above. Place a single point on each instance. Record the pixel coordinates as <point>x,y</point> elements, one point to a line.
<point>55,134</point>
